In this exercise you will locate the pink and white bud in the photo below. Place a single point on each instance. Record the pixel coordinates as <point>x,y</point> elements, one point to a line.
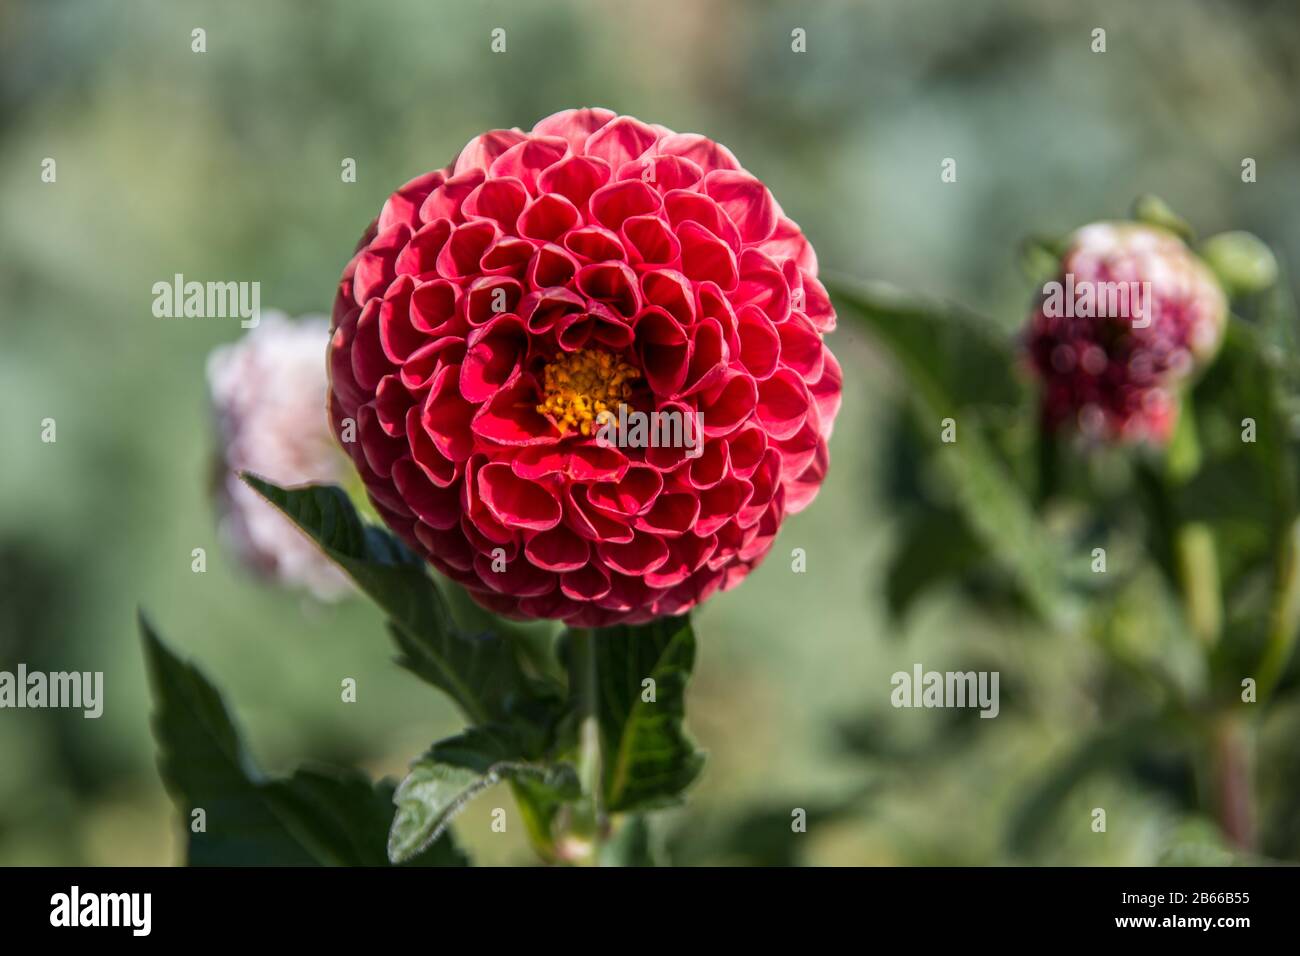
<point>268,393</point>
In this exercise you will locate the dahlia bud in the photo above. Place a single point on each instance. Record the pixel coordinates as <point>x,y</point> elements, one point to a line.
<point>586,368</point>
<point>1131,315</point>
<point>269,393</point>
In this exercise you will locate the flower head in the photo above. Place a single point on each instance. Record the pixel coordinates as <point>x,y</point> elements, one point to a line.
<point>501,314</point>
<point>268,392</point>
<point>1132,313</point>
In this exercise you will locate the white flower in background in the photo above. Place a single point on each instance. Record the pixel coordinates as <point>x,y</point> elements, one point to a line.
<point>268,392</point>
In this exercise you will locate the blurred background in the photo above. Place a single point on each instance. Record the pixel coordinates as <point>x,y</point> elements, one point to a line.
<point>226,164</point>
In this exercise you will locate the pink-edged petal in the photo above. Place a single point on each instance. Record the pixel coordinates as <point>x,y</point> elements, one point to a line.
<point>517,502</point>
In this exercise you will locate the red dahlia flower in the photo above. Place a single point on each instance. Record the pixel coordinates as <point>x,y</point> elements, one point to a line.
<point>1132,313</point>
<point>500,311</point>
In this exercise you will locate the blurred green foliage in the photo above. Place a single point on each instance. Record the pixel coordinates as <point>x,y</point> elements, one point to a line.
<point>226,164</point>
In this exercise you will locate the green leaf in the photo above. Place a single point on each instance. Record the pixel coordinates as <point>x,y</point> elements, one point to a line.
<point>953,357</point>
<point>1109,748</point>
<point>480,672</point>
<point>455,771</point>
<point>954,361</point>
<point>318,816</point>
<point>647,758</point>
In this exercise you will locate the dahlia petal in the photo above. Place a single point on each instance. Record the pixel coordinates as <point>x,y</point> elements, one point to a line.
<point>643,554</point>
<point>783,403</point>
<point>419,257</point>
<point>445,201</point>
<point>542,309</point>
<point>557,550</point>
<point>727,406</point>
<point>631,495</point>
<point>574,178</point>
<point>447,416</point>
<point>788,242</point>
<point>721,503</point>
<point>760,342</point>
<point>709,357</point>
<point>706,258</point>
<point>800,492</point>
<point>517,502</point>
<point>613,283</point>
<point>817,304</point>
<point>746,202</point>
<point>379,448</point>
<point>682,206</point>
<point>551,266</point>
<point>548,217</point>
<point>594,244</point>
<point>369,363</point>
<point>426,362</point>
<point>480,151</point>
<point>439,508</point>
<point>672,292</point>
<point>620,141</point>
<point>745,449</point>
<point>762,284</point>
<point>437,467</point>
<point>673,513</point>
<point>511,417</point>
<point>802,348</point>
<point>518,578</point>
<point>700,150</point>
<point>403,206</point>
<point>662,172</point>
<point>583,463</point>
<point>527,160</point>
<point>433,307</point>
<point>589,522</point>
<point>585,584</point>
<point>459,258</point>
<point>712,465</point>
<point>574,126</point>
<point>496,352</point>
<point>649,241</point>
<point>391,402</point>
<point>613,204</point>
<point>827,392</point>
<point>375,267</point>
<point>490,297</point>
<point>501,200</point>
<point>663,350</point>
<point>507,256</point>
<point>397,334</point>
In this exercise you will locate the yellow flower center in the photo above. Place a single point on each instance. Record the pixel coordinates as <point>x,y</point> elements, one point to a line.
<point>581,388</point>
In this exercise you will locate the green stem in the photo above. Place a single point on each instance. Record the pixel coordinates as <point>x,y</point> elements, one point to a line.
<point>1284,617</point>
<point>590,765</point>
<point>1198,575</point>
<point>1231,777</point>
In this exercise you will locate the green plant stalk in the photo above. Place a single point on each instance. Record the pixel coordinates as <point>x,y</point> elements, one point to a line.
<point>590,764</point>
<point>1284,617</point>
<point>1229,764</point>
<point>1198,575</point>
<point>1231,774</point>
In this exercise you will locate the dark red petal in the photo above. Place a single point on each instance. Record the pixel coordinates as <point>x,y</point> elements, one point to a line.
<point>557,550</point>
<point>516,502</point>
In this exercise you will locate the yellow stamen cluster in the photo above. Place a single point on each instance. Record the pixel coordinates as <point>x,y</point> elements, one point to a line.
<point>581,388</point>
